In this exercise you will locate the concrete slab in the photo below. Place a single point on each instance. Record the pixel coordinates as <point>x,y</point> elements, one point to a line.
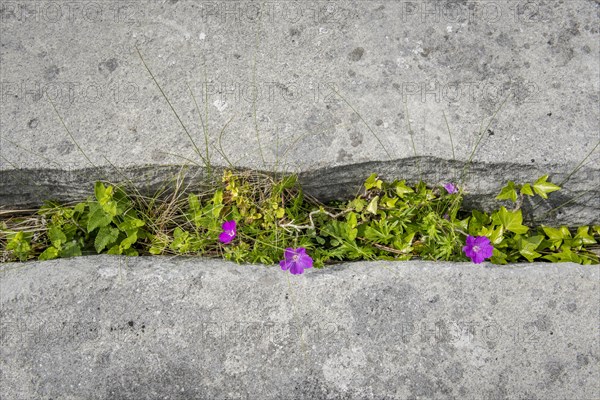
<point>322,72</point>
<point>132,328</point>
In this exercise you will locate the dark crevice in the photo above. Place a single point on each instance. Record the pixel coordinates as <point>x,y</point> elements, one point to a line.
<point>22,188</point>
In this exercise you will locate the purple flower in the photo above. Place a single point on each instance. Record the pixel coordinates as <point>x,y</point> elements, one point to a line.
<point>296,260</point>
<point>478,248</point>
<point>228,233</point>
<point>450,188</point>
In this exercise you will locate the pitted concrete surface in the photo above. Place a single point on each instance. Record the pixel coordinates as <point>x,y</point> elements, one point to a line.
<point>106,327</point>
<point>302,87</point>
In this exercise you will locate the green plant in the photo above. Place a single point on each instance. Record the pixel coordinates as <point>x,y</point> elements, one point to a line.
<point>387,220</point>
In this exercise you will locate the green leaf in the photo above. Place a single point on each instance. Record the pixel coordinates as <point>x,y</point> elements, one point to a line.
<point>194,203</point>
<point>527,247</point>
<point>498,257</point>
<point>341,231</point>
<point>56,236</point>
<point>156,250</point>
<point>131,252</point>
<point>372,207</point>
<point>508,192</point>
<point>98,217</point>
<point>129,240</point>
<point>495,235</point>
<point>557,234</point>
<point>121,202</point>
<point>115,250</point>
<point>402,189</point>
<point>526,190</point>
<point>100,192</point>
<point>379,232</point>
<point>217,203</point>
<point>70,249</point>
<point>351,219</point>
<point>511,220</point>
<point>131,223</point>
<point>80,207</point>
<point>373,182</point>
<point>389,202</point>
<point>565,255</point>
<point>586,238</point>
<point>19,244</point>
<point>49,254</point>
<point>106,236</point>
<point>358,204</point>
<point>542,188</point>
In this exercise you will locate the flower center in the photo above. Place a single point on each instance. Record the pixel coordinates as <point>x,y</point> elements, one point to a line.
<point>476,249</point>
<point>295,257</point>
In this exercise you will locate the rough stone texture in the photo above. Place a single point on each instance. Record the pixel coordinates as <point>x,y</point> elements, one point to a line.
<point>398,64</point>
<point>106,327</point>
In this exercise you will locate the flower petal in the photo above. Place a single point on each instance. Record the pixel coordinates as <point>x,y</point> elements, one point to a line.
<point>306,261</point>
<point>229,225</point>
<point>284,265</point>
<point>478,258</point>
<point>468,251</point>
<point>450,188</point>
<point>481,241</point>
<point>296,268</point>
<point>487,251</point>
<point>470,241</point>
<point>289,253</point>
<point>225,237</point>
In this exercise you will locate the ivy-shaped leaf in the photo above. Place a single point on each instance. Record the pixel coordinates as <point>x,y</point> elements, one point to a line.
<point>358,204</point>
<point>511,220</point>
<point>373,182</point>
<point>556,235</point>
<point>372,207</point>
<point>402,189</point>
<point>508,192</point>
<point>526,190</point>
<point>584,236</point>
<point>528,246</point>
<point>542,187</point>
<point>498,257</point>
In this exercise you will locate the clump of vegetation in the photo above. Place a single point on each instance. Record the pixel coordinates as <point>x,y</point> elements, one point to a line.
<point>254,218</point>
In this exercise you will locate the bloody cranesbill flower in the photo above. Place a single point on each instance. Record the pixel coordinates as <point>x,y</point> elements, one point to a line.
<point>228,233</point>
<point>450,188</point>
<point>296,260</point>
<point>478,248</point>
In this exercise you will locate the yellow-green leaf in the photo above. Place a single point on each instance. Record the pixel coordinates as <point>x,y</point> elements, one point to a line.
<point>542,187</point>
<point>512,220</point>
<point>526,189</point>
<point>508,192</point>
<point>372,207</point>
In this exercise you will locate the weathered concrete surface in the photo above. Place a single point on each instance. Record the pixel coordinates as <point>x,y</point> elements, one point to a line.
<point>396,63</point>
<point>106,327</point>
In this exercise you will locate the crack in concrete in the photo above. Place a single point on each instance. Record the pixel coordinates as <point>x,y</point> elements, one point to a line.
<point>581,199</point>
